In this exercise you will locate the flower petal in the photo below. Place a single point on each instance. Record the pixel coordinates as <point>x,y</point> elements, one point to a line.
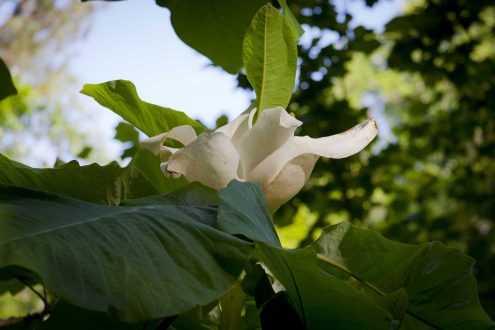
<point>344,144</point>
<point>211,160</point>
<point>336,146</point>
<point>289,180</point>
<point>238,127</point>
<point>185,134</point>
<point>271,131</point>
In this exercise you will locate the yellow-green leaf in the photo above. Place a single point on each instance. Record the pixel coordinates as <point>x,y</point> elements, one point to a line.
<point>270,58</point>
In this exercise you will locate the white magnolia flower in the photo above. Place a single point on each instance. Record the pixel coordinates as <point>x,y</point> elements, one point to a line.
<point>266,152</point>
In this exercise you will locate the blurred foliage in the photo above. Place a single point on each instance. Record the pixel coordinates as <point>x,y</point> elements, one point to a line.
<point>38,38</point>
<point>35,36</point>
<point>429,80</point>
<point>23,303</point>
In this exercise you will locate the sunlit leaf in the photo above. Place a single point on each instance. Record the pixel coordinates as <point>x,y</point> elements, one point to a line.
<point>270,58</point>
<point>128,134</point>
<point>291,20</point>
<point>121,97</point>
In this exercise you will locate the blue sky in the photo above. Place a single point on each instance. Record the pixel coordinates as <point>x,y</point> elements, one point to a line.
<point>134,40</point>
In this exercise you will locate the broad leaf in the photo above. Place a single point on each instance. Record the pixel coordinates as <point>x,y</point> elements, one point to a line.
<point>194,194</point>
<point>215,28</point>
<point>270,58</point>
<point>91,183</point>
<point>121,97</point>
<point>438,280</point>
<point>322,300</point>
<point>243,210</point>
<point>143,261</point>
<point>7,87</point>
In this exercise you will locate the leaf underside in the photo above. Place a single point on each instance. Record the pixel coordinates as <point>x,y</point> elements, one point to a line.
<point>136,261</point>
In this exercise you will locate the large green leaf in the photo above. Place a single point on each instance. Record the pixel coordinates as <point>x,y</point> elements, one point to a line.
<point>107,184</point>
<point>121,97</point>
<point>270,58</point>
<point>7,87</point>
<point>154,258</point>
<point>438,280</point>
<point>91,183</point>
<point>322,300</point>
<point>243,210</point>
<point>215,28</point>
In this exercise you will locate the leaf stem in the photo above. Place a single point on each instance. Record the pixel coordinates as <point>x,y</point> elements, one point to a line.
<point>262,87</point>
<point>348,271</point>
<point>231,304</point>
<point>46,305</point>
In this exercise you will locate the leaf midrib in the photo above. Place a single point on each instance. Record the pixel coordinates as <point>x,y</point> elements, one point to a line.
<point>370,286</point>
<point>76,224</point>
<point>262,87</point>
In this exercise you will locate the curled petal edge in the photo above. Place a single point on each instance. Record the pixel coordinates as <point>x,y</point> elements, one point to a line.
<point>340,145</point>
<point>238,127</point>
<point>270,132</point>
<point>184,134</point>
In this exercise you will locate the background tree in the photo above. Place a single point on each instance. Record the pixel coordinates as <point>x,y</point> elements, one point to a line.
<point>37,41</point>
<point>430,77</point>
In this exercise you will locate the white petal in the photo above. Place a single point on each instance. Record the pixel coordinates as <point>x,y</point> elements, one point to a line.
<point>345,144</point>
<point>185,134</point>
<point>336,146</point>
<point>273,128</point>
<point>238,127</point>
<point>211,160</point>
<point>289,180</point>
